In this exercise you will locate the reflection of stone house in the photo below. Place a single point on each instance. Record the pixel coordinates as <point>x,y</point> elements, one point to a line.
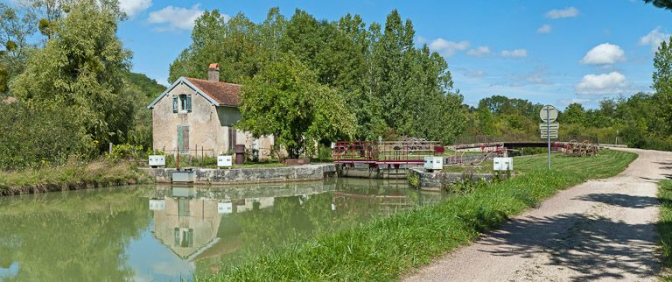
<point>195,228</point>
<point>195,112</point>
<point>187,225</point>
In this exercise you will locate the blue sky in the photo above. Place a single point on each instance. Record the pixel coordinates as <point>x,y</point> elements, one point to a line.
<point>553,52</point>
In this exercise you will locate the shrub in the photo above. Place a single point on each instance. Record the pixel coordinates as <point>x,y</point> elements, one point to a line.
<point>37,135</point>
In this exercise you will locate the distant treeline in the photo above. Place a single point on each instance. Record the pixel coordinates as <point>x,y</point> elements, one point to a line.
<point>638,121</point>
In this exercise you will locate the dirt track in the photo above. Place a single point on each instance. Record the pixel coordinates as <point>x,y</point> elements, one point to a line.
<point>598,230</point>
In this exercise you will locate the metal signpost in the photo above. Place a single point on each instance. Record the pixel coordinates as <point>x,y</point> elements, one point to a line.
<point>548,115</point>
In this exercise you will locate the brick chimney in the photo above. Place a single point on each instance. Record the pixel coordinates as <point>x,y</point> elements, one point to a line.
<point>213,72</point>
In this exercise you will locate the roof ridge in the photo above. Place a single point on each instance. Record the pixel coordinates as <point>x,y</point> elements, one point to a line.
<point>212,81</point>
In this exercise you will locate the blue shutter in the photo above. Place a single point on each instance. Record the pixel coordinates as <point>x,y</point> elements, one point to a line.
<point>189,103</point>
<point>175,104</point>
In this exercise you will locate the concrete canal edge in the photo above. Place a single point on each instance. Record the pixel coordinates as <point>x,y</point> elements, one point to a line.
<point>439,180</point>
<point>211,176</point>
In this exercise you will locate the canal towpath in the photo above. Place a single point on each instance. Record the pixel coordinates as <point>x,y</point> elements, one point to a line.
<point>600,230</point>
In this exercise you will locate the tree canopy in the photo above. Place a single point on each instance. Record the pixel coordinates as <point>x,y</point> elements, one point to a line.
<point>392,87</point>
<point>285,100</point>
<point>82,68</point>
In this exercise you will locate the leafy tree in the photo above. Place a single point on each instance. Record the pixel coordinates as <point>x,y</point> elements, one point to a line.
<point>141,90</point>
<point>574,114</point>
<point>284,99</point>
<point>16,25</point>
<point>81,69</point>
<point>234,44</point>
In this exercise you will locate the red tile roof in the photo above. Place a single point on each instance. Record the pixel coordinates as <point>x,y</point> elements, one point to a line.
<point>223,93</point>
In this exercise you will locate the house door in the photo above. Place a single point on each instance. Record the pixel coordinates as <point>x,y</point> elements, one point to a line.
<point>183,139</point>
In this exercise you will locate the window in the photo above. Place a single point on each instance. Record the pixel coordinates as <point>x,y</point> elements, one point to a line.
<point>184,103</point>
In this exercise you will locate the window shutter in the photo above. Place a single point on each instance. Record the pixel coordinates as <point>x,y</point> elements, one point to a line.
<point>189,103</point>
<point>185,134</point>
<point>175,104</point>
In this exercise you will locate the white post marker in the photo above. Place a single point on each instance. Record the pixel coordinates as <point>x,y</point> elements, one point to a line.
<point>548,114</point>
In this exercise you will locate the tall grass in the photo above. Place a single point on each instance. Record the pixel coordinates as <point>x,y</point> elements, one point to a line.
<point>665,224</point>
<point>386,248</point>
<point>96,173</point>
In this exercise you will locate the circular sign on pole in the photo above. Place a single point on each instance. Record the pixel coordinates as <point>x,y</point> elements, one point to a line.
<point>548,113</point>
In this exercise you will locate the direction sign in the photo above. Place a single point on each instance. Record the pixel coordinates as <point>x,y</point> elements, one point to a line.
<point>548,113</point>
<point>552,125</point>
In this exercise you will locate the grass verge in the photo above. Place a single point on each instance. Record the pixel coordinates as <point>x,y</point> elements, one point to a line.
<point>665,224</point>
<point>71,176</point>
<point>386,248</point>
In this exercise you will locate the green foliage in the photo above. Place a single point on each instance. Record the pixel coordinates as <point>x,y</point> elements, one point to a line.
<point>142,91</point>
<point>127,152</point>
<point>413,179</point>
<point>34,135</point>
<point>324,154</point>
<point>74,173</point>
<point>664,225</point>
<point>387,248</point>
<point>285,100</point>
<point>81,69</point>
<point>383,79</point>
<point>16,26</point>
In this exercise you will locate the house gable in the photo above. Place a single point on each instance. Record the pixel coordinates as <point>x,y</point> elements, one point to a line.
<point>182,81</point>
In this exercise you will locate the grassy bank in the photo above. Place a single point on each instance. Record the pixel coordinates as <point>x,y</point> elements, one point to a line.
<point>665,224</point>
<point>72,176</point>
<point>384,249</point>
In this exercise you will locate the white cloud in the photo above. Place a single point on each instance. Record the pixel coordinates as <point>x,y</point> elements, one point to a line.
<point>134,7</point>
<point>544,29</point>
<point>602,84</point>
<point>604,54</point>
<point>420,40</point>
<point>654,38</point>
<point>175,17</point>
<point>448,48</point>
<point>480,51</point>
<point>570,12</point>
<point>516,53</point>
<point>473,73</point>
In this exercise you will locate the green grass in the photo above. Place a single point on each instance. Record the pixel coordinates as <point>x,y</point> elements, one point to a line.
<point>100,172</point>
<point>593,166</point>
<point>665,224</point>
<point>558,161</point>
<point>386,248</point>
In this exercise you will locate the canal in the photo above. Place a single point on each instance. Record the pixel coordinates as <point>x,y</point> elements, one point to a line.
<point>170,233</point>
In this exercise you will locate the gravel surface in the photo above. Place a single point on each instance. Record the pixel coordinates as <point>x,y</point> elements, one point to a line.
<point>599,230</point>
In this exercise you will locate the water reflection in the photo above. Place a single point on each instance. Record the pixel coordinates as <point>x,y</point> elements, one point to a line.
<point>170,232</point>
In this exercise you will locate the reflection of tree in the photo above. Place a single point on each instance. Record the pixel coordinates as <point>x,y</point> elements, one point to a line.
<point>76,236</point>
<point>295,218</point>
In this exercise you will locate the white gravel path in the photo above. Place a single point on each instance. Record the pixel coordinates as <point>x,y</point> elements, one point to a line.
<point>599,230</point>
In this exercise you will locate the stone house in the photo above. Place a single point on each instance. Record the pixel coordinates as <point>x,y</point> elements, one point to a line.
<point>195,114</point>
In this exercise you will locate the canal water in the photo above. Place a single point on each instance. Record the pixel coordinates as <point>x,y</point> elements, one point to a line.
<point>170,233</point>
